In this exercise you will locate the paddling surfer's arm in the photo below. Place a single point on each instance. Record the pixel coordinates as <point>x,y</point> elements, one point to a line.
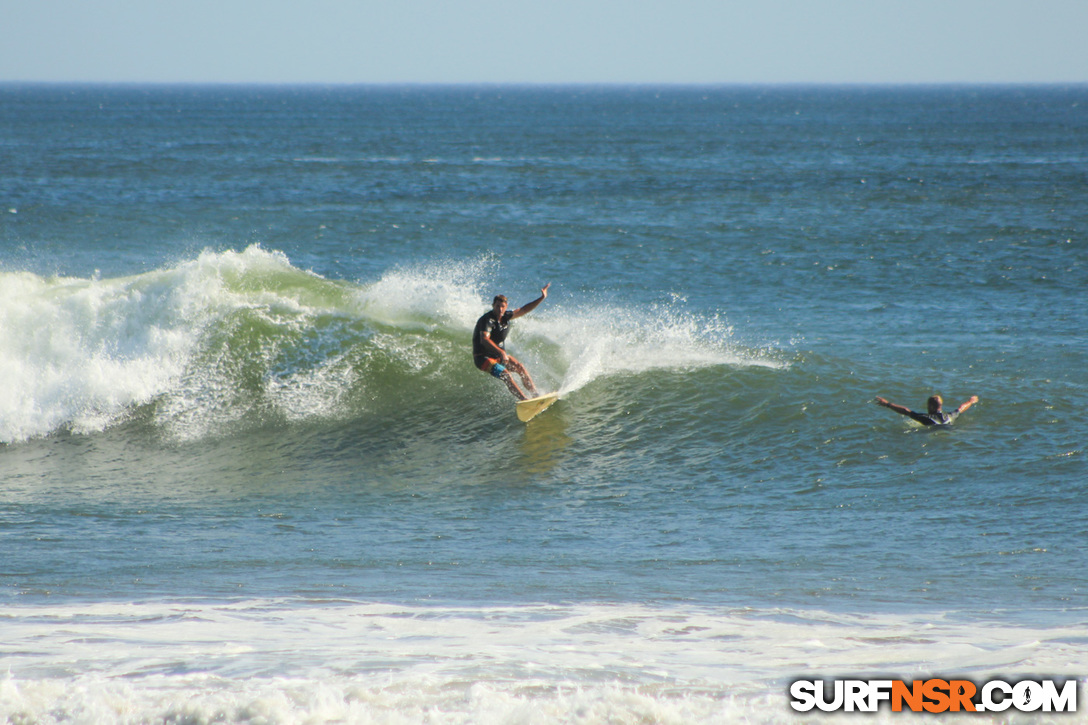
<point>967,404</point>
<point>529,307</point>
<point>901,409</point>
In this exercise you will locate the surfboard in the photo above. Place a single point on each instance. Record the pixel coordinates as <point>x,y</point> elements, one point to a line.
<point>528,409</point>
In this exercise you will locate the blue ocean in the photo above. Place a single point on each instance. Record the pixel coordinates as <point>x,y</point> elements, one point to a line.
<point>249,474</point>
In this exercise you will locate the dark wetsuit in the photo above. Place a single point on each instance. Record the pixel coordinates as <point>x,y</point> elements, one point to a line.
<point>934,418</point>
<point>496,329</point>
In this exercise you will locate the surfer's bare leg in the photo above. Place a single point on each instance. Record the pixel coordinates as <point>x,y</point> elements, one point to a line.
<point>529,382</point>
<point>515,365</point>
<point>509,380</point>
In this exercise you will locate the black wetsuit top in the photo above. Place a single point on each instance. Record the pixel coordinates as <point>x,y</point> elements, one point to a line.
<point>496,329</point>
<point>934,418</point>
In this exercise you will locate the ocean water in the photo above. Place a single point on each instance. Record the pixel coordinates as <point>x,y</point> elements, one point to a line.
<point>249,474</point>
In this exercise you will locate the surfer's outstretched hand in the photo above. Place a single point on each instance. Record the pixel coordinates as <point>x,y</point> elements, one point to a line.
<point>544,290</point>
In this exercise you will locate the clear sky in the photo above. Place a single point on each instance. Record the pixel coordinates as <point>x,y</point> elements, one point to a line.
<point>545,41</point>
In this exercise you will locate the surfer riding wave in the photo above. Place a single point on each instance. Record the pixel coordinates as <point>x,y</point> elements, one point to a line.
<point>489,344</point>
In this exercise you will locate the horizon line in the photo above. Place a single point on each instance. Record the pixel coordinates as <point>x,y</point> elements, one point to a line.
<point>548,84</point>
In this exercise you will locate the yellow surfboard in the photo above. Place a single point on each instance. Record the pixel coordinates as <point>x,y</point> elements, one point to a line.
<point>528,409</point>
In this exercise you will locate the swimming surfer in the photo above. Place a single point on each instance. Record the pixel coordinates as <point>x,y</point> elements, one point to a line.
<point>934,406</point>
<point>489,340</point>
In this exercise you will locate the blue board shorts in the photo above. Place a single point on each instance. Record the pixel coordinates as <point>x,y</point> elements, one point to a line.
<point>493,366</point>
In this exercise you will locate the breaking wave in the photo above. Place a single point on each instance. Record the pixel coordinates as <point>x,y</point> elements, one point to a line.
<point>246,338</point>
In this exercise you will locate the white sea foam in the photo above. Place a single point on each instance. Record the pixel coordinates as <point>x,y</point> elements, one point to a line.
<point>305,661</point>
<point>608,340</point>
<point>445,293</point>
<point>81,353</point>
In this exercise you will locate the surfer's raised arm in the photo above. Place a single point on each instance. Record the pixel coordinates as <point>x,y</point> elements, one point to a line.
<point>529,307</point>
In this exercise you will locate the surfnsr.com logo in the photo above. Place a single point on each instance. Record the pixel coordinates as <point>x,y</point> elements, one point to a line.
<point>934,695</point>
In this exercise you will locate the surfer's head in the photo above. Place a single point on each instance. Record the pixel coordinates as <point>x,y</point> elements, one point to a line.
<point>934,404</point>
<point>499,304</point>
